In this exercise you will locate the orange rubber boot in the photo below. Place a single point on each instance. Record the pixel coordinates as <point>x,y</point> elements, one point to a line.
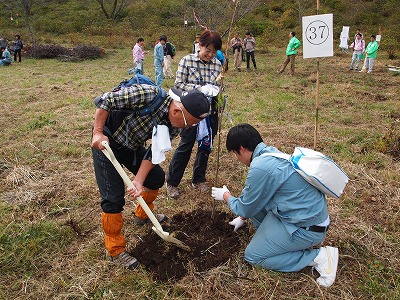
<point>113,239</point>
<point>148,196</point>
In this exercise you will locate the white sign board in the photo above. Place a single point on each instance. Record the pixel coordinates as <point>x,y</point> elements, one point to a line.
<point>344,37</point>
<point>345,31</point>
<point>318,36</point>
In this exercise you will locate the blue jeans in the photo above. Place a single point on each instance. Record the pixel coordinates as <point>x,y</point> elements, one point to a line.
<point>274,248</point>
<point>159,74</point>
<point>4,63</point>
<point>355,59</point>
<point>140,66</point>
<point>110,183</point>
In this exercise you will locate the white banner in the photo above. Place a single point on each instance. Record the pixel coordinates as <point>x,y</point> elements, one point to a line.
<point>318,36</point>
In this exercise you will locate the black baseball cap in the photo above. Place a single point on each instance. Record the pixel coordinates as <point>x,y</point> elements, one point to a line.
<point>194,101</point>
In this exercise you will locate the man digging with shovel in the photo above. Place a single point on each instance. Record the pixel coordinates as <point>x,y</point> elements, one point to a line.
<point>126,119</point>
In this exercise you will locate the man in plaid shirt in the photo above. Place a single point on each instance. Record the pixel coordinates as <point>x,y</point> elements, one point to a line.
<point>127,133</point>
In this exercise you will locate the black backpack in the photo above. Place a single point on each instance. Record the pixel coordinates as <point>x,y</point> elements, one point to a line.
<point>116,116</point>
<point>139,79</point>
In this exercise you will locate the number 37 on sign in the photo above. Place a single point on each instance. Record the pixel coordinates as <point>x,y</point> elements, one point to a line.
<point>318,36</point>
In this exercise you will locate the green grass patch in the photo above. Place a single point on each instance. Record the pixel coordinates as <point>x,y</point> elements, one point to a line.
<point>28,247</point>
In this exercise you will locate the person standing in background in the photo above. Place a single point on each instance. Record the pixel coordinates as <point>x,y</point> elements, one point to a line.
<point>168,57</point>
<point>138,55</point>
<point>370,53</point>
<point>159,60</point>
<point>358,49</point>
<point>196,47</point>
<point>236,44</point>
<point>18,45</point>
<point>291,52</point>
<point>249,45</point>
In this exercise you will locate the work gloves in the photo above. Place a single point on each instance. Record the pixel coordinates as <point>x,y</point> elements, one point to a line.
<point>237,222</point>
<point>218,193</point>
<point>210,90</point>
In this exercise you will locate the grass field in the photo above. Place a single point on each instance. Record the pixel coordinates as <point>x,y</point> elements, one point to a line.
<point>51,241</point>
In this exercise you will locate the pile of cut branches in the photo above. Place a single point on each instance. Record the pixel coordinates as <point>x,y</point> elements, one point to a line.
<point>78,53</point>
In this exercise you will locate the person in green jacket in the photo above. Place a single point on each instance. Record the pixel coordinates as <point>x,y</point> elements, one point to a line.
<point>291,52</point>
<point>370,55</point>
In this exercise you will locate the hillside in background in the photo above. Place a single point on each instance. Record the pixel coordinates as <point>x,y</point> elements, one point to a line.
<point>83,21</point>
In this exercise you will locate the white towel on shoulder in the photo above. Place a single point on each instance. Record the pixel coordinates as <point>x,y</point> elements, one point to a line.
<point>160,143</point>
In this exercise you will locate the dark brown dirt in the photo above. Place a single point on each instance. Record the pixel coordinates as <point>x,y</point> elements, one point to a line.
<point>212,241</point>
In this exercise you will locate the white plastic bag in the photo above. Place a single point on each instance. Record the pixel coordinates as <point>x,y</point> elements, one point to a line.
<point>317,169</point>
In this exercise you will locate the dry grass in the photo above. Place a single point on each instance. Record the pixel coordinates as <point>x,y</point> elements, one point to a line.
<point>51,238</point>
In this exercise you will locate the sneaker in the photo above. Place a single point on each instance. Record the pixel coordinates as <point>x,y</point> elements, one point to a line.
<point>362,70</point>
<point>369,72</point>
<point>201,186</point>
<point>172,191</point>
<point>125,260</point>
<point>351,69</point>
<point>160,218</point>
<point>326,264</point>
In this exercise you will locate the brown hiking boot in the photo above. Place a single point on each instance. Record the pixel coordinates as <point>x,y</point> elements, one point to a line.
<point>201,186</point>
<point>125,260</point>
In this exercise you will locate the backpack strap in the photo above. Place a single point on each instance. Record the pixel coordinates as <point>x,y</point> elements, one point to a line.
<point>149,109</point>
<point>153,106</point>
<point>279,155</point>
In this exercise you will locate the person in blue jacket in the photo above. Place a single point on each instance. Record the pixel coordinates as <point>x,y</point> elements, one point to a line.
<point>291,215</point>
<point>220,56</point>
<point>159,60</point>
<point>5,57</point>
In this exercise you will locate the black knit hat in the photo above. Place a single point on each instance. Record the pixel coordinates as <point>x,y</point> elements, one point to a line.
<point>194,101</point>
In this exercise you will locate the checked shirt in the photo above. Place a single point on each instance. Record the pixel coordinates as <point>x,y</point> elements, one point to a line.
<point>193,73</point>
<point>133,131</point>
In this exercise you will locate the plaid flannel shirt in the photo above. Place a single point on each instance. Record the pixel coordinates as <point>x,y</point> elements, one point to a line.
<point>193,72</point>
<point>134,131</point>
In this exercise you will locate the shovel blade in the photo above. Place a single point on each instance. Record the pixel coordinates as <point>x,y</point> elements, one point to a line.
<point>166,237</point>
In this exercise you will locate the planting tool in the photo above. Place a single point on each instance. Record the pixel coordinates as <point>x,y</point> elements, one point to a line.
<point>156,225</point>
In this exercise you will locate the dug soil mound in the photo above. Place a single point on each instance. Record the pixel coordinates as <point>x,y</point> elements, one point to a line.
<point>212,241</point>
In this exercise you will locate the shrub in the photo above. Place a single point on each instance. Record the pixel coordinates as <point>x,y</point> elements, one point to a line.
<point>391,46</point>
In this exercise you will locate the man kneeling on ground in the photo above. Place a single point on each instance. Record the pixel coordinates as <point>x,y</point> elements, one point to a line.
<point>291,215</point>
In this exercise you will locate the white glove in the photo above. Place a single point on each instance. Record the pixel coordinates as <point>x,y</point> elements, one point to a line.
<point>218,193</point>
<point>237,222</point>
<point>209,90</point>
